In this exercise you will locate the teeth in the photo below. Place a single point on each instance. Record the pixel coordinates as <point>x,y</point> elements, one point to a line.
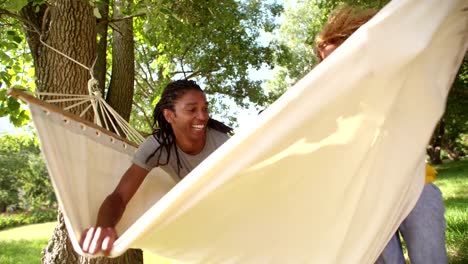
<point>198,126</point>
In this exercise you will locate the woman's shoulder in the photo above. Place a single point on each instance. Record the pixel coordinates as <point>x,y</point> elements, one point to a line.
<point>217,135</point>
<point>150,141</point>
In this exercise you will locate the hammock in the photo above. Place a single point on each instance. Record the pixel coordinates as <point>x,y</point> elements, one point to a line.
<point>325,175</point>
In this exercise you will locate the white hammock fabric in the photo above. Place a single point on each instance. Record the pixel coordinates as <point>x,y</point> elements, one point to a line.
<point>325,175</point>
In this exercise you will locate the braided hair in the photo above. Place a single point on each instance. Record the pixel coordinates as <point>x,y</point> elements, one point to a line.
<point>163,132</point>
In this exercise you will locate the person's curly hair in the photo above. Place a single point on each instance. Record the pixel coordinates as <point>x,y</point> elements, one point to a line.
<point>341,23</point>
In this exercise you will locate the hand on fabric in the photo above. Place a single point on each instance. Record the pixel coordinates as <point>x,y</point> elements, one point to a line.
<point>97,239</point>
<point>102,236</point>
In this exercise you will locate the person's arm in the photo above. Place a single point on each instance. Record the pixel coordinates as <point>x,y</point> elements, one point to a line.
<point>102,236</point>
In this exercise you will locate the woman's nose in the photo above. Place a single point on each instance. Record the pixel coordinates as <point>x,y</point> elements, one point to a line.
<point>202,115</point>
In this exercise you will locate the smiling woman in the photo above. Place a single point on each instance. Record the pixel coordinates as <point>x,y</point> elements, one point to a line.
<point>188,120</point>
<point>183,137</point>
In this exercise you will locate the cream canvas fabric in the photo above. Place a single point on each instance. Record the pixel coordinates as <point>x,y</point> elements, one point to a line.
<point>325,175</point>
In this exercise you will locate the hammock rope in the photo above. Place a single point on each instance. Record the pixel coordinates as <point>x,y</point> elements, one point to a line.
<point>96,102</point>
<point>108,119</point>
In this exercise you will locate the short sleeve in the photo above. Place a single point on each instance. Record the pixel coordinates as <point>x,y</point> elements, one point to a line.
<point>144,151</point>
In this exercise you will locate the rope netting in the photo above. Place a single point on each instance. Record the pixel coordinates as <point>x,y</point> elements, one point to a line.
<point>104,115</point>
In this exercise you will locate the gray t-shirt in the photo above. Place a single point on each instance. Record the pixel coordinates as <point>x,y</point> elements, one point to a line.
<point>214,139</point>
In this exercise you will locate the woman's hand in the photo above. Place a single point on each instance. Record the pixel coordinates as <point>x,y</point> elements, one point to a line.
<point>97,239</point>
<point>102,236</point>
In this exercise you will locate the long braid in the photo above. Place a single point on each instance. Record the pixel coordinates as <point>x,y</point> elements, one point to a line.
<point>163,132</point>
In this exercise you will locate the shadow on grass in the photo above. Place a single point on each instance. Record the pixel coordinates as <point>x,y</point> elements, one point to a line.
<point>453,169</point>
<point>458,252</point>
<point>456,202</point>
<point>21,251</point>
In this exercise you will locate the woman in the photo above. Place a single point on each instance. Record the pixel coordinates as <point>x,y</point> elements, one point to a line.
<point>184,136</point>
<point>424,228</point>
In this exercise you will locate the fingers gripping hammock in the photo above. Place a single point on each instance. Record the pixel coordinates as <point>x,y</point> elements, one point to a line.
<point>325,175</point>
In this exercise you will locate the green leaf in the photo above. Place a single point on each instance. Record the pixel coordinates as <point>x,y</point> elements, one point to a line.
<point>17,39</point>
<point>13,104</point>
<point>3,93</point>
<point>17,68</point>
<point>4,56</point>
<point>15,5</point>
<point>96,13</point>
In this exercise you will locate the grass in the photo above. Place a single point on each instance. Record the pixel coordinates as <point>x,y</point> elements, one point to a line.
<point>21,251</point>
<point>453,182</point>
<point>30,232</point>
<point>24,244</point>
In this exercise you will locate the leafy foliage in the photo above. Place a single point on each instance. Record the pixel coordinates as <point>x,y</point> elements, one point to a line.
<point>212,42</point>
<point>27,218</point>
<point>295,42</point>
<point>24,181</point>
<point>16,69</point>
<point>13,5</point>
<point>456,113</point>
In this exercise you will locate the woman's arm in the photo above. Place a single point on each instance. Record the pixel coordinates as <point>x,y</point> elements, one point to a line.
<point>102,236</point>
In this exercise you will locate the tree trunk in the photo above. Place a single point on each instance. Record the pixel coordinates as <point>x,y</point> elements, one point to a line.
<point>435,144</point>
<point>55,252</point>
<point>100,68</point>
<point>70,27</point>
<point>121,87</point>
<point>451,150</point>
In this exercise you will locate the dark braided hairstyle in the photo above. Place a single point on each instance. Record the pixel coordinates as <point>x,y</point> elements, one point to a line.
<point>163,132</point>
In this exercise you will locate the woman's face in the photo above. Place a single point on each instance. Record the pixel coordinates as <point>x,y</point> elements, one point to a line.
<point>190,116</point>
<point>327,50</point>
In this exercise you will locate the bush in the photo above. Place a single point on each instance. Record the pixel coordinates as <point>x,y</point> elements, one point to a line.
<point>24,182</point>
<point>27,218</point>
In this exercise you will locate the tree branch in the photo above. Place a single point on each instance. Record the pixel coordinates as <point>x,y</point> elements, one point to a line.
<point>20,18</point>
<point>44,20</point>
<point>108,21</point>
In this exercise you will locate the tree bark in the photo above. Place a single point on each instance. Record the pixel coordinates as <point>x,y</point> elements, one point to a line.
<point>121,86</point>
<point>56,253</point>
<point>435,144</point>
<point>100,68</point>
<point>452,152</point>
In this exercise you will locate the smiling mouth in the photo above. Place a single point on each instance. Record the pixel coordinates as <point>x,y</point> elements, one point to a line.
<point>199,127</point>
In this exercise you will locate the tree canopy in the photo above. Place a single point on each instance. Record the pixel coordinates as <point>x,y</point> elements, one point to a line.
<point>216,43</point>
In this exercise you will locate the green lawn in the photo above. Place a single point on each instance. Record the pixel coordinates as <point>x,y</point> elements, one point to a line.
<point>21,251</point>
<point>24,244</point>
<point>31,232</point>
<point>453,181</point>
